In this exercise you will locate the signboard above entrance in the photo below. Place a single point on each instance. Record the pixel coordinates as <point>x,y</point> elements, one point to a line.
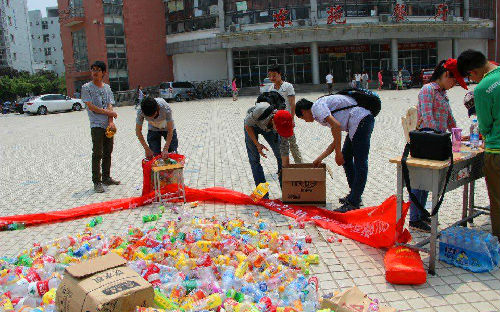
<point>334,49</point>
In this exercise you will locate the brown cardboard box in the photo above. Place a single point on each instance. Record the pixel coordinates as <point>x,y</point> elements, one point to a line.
<point>304,184</point>
<point>103,284</point>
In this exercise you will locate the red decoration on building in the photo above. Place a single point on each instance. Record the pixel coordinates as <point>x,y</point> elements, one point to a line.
<point>336,14</point>
<point>399,14</point>
<point>280,18</point>
<point>442,12</point>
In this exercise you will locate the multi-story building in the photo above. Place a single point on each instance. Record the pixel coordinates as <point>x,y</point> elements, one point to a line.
<point>128,35</point>
<point>222,39</point>
<point>15,45</point>
<point>46,41</point>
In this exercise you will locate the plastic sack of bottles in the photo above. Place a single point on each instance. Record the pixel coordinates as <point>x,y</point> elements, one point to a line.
<point>469,249</point>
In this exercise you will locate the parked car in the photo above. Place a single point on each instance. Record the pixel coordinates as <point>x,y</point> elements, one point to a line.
<point>389,78</point>
<point>19,105</point>
<point>265,85</point>
<point>49,103</point>
<point>181,90</point>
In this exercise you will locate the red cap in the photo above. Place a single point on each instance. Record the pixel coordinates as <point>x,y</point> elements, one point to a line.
<point>283,122</point>
<point>451,65</point>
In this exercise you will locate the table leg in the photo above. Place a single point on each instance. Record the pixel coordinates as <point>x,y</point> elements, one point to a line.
<point>471,200</point>
<point>465,203</point>
<point>399,196</point>
<point>434,223</point>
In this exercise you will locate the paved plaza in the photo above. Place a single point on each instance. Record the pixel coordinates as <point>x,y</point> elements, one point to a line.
<point>46,166</point>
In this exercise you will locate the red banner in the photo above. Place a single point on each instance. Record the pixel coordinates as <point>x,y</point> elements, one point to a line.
<point>374,226</point>
<point>334,49</point>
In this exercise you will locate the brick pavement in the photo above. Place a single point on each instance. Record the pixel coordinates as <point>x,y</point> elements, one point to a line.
<point>46,166</point>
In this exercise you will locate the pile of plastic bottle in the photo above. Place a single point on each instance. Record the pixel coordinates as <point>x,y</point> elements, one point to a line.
<point>194,264</point>
<point>470,249</point>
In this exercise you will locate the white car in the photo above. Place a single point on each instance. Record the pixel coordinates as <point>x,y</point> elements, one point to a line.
<point>265,85</point>
<point>49,103</point>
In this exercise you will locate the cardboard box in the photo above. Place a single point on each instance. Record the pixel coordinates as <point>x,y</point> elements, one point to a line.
<point>103,284</point>
<point>304,184</point>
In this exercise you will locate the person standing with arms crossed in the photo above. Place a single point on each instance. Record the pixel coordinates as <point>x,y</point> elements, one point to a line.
<point>99,99</point>
<point>285,89</point>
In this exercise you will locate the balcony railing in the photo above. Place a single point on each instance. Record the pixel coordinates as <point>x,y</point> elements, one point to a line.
<point>72,16</point>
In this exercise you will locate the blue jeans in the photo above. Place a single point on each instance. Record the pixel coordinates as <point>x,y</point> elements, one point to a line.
<point>355,154</point>
<point>358,84</point>
<point>415,214</point>
<point>254,157</point>
<point>154,141</point>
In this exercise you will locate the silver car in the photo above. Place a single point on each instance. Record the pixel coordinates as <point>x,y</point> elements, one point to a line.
<point>181,90</point>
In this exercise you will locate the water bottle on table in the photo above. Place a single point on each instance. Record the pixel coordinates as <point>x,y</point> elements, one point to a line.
<point>474,134</point>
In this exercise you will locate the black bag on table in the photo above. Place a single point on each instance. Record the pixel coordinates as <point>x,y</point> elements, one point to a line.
<point>433,145</point>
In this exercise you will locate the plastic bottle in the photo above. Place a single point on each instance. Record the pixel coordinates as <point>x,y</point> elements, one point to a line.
<point>474,134</point>
<point>260,191</point>
<point>227,280</point>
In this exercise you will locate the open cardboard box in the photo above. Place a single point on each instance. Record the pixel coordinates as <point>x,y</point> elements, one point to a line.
<point>304,184</point>
<point>103,284</point>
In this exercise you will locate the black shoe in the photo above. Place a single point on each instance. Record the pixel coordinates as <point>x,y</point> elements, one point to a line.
<point>98,188</point>
<point>427,220</point>
<point>343,200</point>
<point>346,207</point>
<point>420,226</point>
<point>110,181</point>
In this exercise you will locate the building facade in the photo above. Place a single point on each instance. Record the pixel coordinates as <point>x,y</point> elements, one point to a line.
<point>15,45</point>
<point>128,35</point>
<point>46,41</point>
<point>241,39</point>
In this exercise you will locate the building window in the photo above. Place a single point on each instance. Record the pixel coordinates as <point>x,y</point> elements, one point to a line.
<point>52,22</point>
<point>80,54</point>
<point>54,48</point>
<point>10,20</point>
<point>12,38</point>
<point>115,44</point>
<point>32,36</point>
<point>31,23</point>
<point>45,25</point>
<point>53,36</point>
<point>48,51</point>
<point>46,38</point>
<point>14,56</point>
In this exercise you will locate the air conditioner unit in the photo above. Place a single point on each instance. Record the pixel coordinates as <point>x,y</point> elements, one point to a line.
<point>384,18</point>
<point>234,28</point>
<point>301,22</point>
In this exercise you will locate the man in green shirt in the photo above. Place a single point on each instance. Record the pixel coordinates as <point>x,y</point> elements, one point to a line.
<point>473,64</point>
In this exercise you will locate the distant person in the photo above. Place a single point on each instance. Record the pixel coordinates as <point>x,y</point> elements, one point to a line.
<point>380,80</point>
<point>99,100</point>
<point>285,89</point>
<point>329,82</point>
<point>139,96</point>
<point>473,64</point>
<point>160,124</point>
<point>77,94</point>
<point>357,78</point>
<point>399,80</point>
<point>234,89</point>
<point>365,78</point>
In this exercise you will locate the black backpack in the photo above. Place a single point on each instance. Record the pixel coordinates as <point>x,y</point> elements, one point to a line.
<point>365,98</point>
<point>275,100</point>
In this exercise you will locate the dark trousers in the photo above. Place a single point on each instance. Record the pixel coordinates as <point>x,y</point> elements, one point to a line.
<point>355,154</point>
<point>154,141</point>
<point>254,157</point>
<point>492,175</point>
<point>102,147</point>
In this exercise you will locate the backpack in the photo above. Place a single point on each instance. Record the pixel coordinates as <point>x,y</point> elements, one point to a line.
<point>365,98</point>
<point>274,99</point>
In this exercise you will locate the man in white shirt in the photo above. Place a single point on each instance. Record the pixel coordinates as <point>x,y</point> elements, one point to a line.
<point>342,113</point>
<point>357,77</point>
<point>365,79</point>
<point>329,83</point>
<point>285,89</point>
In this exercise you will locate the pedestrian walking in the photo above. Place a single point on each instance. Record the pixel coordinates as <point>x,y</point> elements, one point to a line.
<point>234,89</point>
<point>329,82</point>
<point>139,95</point>
<point>357,78</point>
<point>366,79</point>
<point>380,80</point>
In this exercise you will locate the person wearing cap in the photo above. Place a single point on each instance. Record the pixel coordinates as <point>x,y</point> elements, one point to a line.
<point>262,119</point>
<point>342,113</point>
<point>434,113</point>
<point>474,65</point>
